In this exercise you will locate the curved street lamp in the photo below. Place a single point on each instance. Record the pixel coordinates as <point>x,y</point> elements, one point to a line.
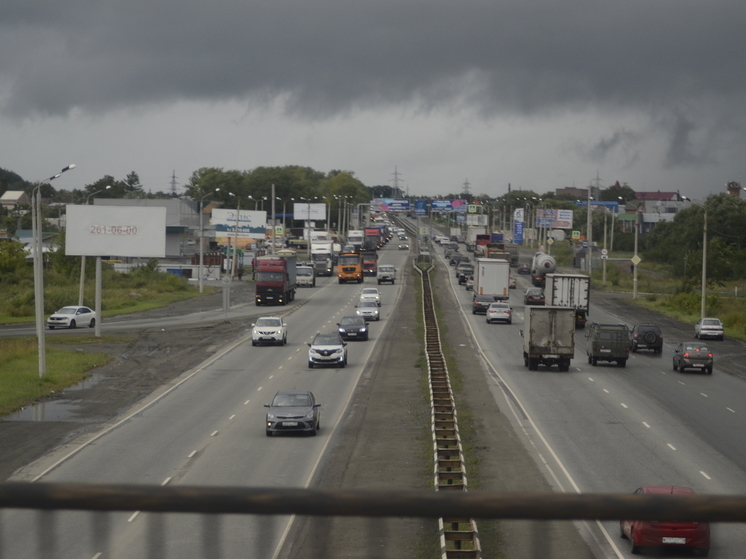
<point>703,301</point>
<point>36,248</point>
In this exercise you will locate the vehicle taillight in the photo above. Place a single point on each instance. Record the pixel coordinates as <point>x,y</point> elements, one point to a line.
<point>709,355</point>
<point>686,355</point>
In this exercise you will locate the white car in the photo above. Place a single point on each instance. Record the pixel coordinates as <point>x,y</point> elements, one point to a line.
<point>709,328</point>
<point>72,317</point>
<point>370,294</point>
<point>368,310</point>
<point>499,312</point>
<point>327,349</point>
<point>269,330</point>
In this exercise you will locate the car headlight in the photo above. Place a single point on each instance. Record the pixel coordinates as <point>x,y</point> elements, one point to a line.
<point>270,416</point>
<point>342,331</point>
<point>363,330</point>
<point>338,350</point>
<point>309,415</point>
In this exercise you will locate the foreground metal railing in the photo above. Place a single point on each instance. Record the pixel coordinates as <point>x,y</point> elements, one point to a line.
<point>375,511</point>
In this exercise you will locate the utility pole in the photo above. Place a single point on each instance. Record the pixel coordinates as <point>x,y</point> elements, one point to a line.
<point>396,182</point>
<point>173,183</point>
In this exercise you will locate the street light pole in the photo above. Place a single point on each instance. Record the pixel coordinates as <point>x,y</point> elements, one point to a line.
<point>202,238</point>
<point>703,300</point>
<point>36,246</point>
<point>81,289</point>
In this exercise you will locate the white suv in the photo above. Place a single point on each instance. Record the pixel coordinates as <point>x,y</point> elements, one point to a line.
<point>269,329</point>
<point>370,294</point>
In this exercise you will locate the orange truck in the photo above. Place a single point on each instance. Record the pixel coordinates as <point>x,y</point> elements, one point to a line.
<point>350,267</point>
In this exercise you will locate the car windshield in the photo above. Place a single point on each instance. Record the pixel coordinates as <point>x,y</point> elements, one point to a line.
<point>351,320</point>
<point>269,322</point>
<point>385,268</point>
<point>499,306</point>
<point>291,400</point>
<point>67,310</point>
<point>305,272</point>
<point>711,322</point>
<point>326,340</point>
<point>370,291</point>
<point>368,304</point>
<point>534,292</point>
<point>696,347</point>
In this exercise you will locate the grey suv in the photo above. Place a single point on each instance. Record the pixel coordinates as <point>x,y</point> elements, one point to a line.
<point>608,342</point>
<point>647,336</point>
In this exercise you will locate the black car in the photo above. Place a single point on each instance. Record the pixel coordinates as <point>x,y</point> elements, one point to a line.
<point>481,303</point>
<point>647,336</point>
<point>353,328</point>
<point>524,269</point>
<point>293,410</point>
<point>463,271</point>
<point>457,258</point>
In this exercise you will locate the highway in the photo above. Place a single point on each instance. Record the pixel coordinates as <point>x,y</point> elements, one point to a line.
<point>608,429</point>
<point>207,428</point>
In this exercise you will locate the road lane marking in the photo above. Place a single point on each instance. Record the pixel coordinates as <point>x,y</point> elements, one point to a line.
<point>246,402</point>
<point>607,391</point>
<point>705,395</point>
<point>165,481</point>
<point>645,424</point>
<point>672,447</point>
<point>682,384</point>
<point>704,475</point>
<point>590,379</point>
<point>259,389</point>
<point>131,518</point>
<point>97,555</point>
<point>730,410</point>
<point>623,405</point>
<point>231,417</point>
<point>213,433</point>
<point>191,454</point>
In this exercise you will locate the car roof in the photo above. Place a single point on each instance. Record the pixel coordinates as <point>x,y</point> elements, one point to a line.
<point>293,392</point>
<point>666,490</point>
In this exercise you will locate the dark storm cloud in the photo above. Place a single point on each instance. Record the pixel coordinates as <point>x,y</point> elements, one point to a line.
<point>329,57</point>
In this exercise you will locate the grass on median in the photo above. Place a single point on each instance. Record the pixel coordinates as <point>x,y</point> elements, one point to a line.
<point>20,384</point>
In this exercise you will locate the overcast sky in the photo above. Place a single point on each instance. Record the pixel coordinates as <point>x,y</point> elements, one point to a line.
<point>540,94</point>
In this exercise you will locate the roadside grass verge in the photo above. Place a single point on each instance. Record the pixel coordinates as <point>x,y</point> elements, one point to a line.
<point>121,294</point>
<point>19,369</point>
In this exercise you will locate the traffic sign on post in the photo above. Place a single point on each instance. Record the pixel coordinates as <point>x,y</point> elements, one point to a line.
<point>604,252</point>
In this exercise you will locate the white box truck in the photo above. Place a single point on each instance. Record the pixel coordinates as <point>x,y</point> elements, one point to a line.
<point>548,337</point>
<point>569,290</point>
<point>492,277</point>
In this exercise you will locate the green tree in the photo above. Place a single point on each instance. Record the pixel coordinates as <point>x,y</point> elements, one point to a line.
<point>12,258</point>
<point>613,193</point>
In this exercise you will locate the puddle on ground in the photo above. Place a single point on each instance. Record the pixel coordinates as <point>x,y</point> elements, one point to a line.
<point>55,410</point>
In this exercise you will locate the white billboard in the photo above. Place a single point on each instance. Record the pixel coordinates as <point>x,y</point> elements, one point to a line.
<point>303,211</point>
<point>115,230</point>
<point>251,224</point>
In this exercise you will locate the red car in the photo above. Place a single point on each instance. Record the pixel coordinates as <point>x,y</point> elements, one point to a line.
<point>534,296</point>
<point>649,533</point>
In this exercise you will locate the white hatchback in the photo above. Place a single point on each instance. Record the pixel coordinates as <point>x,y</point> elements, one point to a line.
<point>370,294</point>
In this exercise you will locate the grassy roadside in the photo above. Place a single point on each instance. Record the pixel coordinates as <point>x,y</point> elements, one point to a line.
<point>19,369</point>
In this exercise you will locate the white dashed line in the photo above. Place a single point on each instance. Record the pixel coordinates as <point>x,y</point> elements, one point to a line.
<point>191,454</point>
<point>590,379</point>
<point>259,389</point>
<point>624,405</point>
<point>131,518</point>
<point>703,394</point>
<point>730,410</point>
<point>165,481</point>
<point>606,391</point>
<point>672,447</point>
<point>246,402</point>
<point>213,433</point>
<point>704,475</point>
<point>646,425</point>
<point>231,417</point>
<point>97,555</point>
<point>682,384</point>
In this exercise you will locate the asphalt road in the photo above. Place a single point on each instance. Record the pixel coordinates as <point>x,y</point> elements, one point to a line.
<point>610,429</point>
<point>206,428</point>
